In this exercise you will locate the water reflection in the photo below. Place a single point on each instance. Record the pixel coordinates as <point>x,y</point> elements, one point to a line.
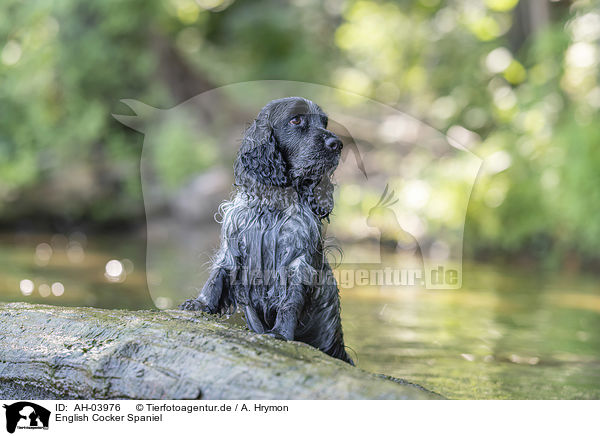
<point>69,270</point>
<point>504,335</point>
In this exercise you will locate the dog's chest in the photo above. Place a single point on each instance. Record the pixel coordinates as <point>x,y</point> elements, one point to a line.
<point>273,239</point>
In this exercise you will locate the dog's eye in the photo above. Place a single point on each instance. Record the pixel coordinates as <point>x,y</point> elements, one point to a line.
<point>296,120</point>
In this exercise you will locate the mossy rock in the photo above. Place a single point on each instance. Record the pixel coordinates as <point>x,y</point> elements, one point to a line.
<point>88,353</point>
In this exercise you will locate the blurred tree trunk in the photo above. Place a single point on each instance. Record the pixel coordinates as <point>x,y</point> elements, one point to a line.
<point>180,78</point>
<point>530,16</point>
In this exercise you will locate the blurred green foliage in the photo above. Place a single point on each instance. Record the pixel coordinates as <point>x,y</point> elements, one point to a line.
<point>522,82</point>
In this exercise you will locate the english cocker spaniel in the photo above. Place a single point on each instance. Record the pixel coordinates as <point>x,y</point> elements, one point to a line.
<point>271,261</point>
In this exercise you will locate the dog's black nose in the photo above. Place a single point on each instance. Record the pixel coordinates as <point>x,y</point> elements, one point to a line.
<point>333,143</point>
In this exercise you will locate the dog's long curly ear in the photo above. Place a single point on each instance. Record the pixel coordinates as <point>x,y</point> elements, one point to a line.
<point>259,159</point>
<point>319,196</point>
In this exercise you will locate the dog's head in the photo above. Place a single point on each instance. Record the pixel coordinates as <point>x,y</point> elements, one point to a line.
<point>288,145</point>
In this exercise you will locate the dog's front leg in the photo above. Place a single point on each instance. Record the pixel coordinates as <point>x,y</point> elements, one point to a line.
<point>214,296</point>
<point>292,298</point>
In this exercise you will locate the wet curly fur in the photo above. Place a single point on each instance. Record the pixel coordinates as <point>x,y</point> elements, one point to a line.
<point>271,260</point>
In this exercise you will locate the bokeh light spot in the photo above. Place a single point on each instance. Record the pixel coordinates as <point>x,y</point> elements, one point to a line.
<point>58,289</point>
<point>44,290</point>
<point>11,53</point>
<point>26,287</point>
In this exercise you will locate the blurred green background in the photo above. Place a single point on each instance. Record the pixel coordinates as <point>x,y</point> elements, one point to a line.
<point>520,79</point>
<point>523,77</point>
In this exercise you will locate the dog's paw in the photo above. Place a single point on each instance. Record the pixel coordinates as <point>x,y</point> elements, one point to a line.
<point>193,305</point>
<point>275,334</point>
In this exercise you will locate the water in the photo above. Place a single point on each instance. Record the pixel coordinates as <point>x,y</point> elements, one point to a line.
<point>508,333</point>
<point>503,336</point>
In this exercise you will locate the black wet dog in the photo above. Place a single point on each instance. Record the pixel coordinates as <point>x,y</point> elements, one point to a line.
<point>271,261</point>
